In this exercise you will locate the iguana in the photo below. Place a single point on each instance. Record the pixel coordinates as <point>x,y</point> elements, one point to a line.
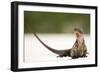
<point>79,48</point>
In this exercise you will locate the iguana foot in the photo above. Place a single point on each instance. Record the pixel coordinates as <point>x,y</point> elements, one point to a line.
<point>74,57</point>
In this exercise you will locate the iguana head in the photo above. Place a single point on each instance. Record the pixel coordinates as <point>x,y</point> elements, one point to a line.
<point>78,32</point>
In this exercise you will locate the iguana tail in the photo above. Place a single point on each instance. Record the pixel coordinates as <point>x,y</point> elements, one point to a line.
<point>59,52</point>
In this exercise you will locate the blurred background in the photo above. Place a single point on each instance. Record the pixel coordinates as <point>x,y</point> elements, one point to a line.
<point>52,22</point>
<point>55,30</point>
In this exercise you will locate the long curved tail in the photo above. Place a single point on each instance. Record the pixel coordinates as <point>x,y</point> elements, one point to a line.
<point>49,48</point>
